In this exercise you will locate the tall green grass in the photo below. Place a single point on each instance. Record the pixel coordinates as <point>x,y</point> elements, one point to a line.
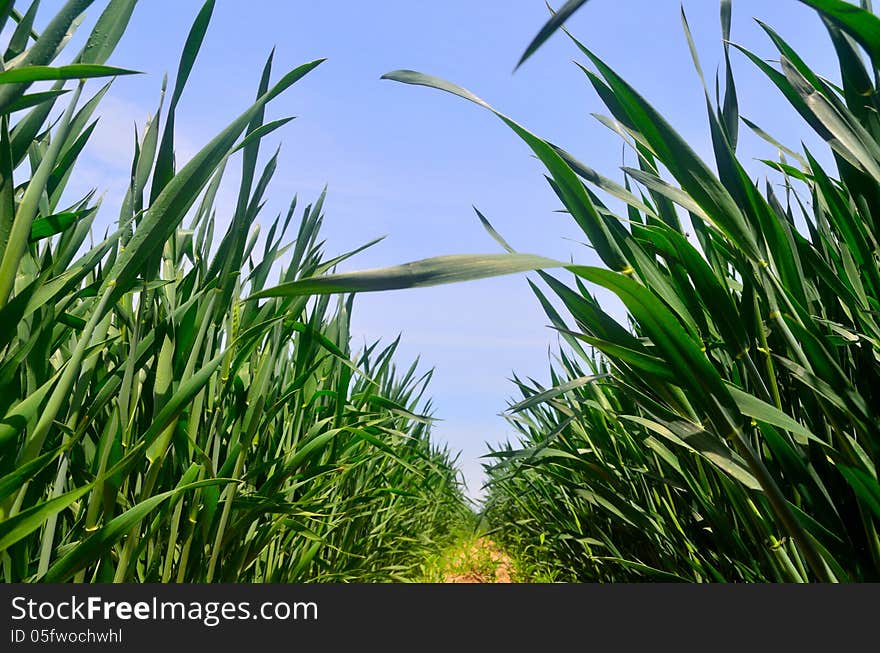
<point>732,432</point>
<point>729,429</point>
<point>159,421</point>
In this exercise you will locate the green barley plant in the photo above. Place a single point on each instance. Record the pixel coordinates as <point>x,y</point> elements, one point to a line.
<point>728,430</point>
<point>162,420</point>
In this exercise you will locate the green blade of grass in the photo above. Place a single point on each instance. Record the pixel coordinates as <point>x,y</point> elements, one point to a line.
<point>426,272</point>
<point>556,21</point>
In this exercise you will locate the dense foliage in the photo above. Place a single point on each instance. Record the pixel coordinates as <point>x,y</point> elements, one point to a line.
<point>172,413</point>
<point>730,431</point>
<point>159,421</point>
<point>728,428</point>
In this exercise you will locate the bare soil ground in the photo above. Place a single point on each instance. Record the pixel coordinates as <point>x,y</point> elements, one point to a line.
<point>478,561</point>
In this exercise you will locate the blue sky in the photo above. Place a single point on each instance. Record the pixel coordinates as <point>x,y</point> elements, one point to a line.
<point>410,162</point>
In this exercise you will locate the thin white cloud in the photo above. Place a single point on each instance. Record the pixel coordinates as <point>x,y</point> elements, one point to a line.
<point>112,142</point>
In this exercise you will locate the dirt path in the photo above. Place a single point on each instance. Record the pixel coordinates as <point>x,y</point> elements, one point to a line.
<point>478,561</point>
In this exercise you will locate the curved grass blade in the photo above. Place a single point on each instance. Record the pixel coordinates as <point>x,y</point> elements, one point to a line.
<point>54,224</point>
<point>565,182</point>
<point>426,272</point>
<point>73,71</point>
<point>561,389</point>
<point>107,31</point>
<point>33,99</point>
<point>556,21</point>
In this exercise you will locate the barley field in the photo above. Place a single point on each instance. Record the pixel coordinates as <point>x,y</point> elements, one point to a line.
<point>182,401</point>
